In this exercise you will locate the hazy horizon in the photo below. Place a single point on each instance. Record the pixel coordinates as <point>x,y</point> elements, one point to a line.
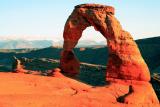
<point>45,20</point>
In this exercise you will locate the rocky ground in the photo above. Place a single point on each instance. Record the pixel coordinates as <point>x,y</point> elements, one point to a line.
<point>33,90</point>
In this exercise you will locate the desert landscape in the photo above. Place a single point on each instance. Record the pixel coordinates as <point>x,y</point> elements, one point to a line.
<point>122,72</point>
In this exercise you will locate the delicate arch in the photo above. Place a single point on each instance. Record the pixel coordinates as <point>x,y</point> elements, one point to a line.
<point>125,60</point>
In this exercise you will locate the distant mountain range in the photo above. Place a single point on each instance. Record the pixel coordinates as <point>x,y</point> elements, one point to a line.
<point>39,44</point>
<point>23,44</point>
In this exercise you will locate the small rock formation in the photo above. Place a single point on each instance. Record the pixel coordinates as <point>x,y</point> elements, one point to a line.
<point>125,60</point>
<point>17,66</point>
<point>125,65</point>
<point>56,72</point>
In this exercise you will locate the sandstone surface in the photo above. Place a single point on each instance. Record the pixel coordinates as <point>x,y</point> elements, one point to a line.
<point>28,90</point>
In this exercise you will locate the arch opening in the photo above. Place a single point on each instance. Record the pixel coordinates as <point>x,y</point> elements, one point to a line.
<point>91,47</point>
<point>91,34</point>
<point>92,53</point>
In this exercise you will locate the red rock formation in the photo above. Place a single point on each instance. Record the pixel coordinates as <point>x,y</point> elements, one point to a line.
<point>125,60</point>
<point>17,66</point>
<point>125,67</point>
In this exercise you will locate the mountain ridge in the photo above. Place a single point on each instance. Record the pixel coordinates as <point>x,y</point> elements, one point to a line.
<point>39,44</point>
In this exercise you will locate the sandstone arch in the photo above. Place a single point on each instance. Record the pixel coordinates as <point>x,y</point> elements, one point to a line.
<point>125,60</point>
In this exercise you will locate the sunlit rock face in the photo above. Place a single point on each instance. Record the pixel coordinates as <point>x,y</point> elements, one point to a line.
<point>125,61</point>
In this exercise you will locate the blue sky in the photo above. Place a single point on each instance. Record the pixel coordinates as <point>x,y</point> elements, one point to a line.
<point>45,19</point>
